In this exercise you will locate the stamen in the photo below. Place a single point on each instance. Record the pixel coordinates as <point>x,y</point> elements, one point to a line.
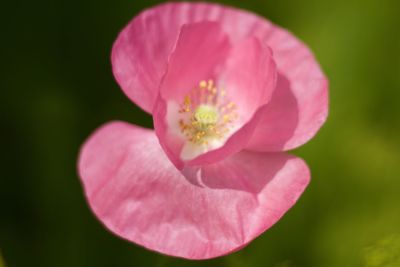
<point>203,84</point>
<point>208,116</point>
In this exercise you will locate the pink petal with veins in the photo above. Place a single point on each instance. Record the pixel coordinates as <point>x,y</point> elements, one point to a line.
<point>139,195</point>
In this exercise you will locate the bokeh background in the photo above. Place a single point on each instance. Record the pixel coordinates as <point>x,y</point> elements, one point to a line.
<point>57,87</point>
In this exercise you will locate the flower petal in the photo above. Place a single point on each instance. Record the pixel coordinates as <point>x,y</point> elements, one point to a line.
<point>139,195</point>
<point>141,53</point>
<point>299,105</point>
<point>203,51</point>
<point>202,47</point>
<point>200,51</point>
<point>250,76</point>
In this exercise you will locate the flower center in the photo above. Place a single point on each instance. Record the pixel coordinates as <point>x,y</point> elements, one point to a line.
<point>207,116</point>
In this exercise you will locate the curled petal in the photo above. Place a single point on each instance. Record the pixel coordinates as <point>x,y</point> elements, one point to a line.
<point>250,76</point>
<point>299,105</point>
<point>139,195</point>
<point>141,52</point>
<point>200,51</point>
<point>247,73</point>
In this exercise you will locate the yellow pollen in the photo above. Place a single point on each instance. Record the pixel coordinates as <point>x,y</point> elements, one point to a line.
<point>203,84</point>
<point>210,84</point>
<point>206,115</point>
<point>230,105</point>
<point>226,118</point>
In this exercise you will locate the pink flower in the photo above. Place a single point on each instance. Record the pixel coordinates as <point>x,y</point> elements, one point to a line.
<point>229,92</point>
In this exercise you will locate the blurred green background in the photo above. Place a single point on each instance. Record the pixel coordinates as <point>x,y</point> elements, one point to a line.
<point>57,87</point>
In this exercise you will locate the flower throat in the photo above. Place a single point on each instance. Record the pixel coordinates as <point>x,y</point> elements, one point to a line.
<point>207,115</point>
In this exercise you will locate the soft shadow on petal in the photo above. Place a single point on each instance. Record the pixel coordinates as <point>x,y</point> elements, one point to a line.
<point>278,121</point>
<point>246,171</point>
<point>308,85</point>
<point>139,195</point>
